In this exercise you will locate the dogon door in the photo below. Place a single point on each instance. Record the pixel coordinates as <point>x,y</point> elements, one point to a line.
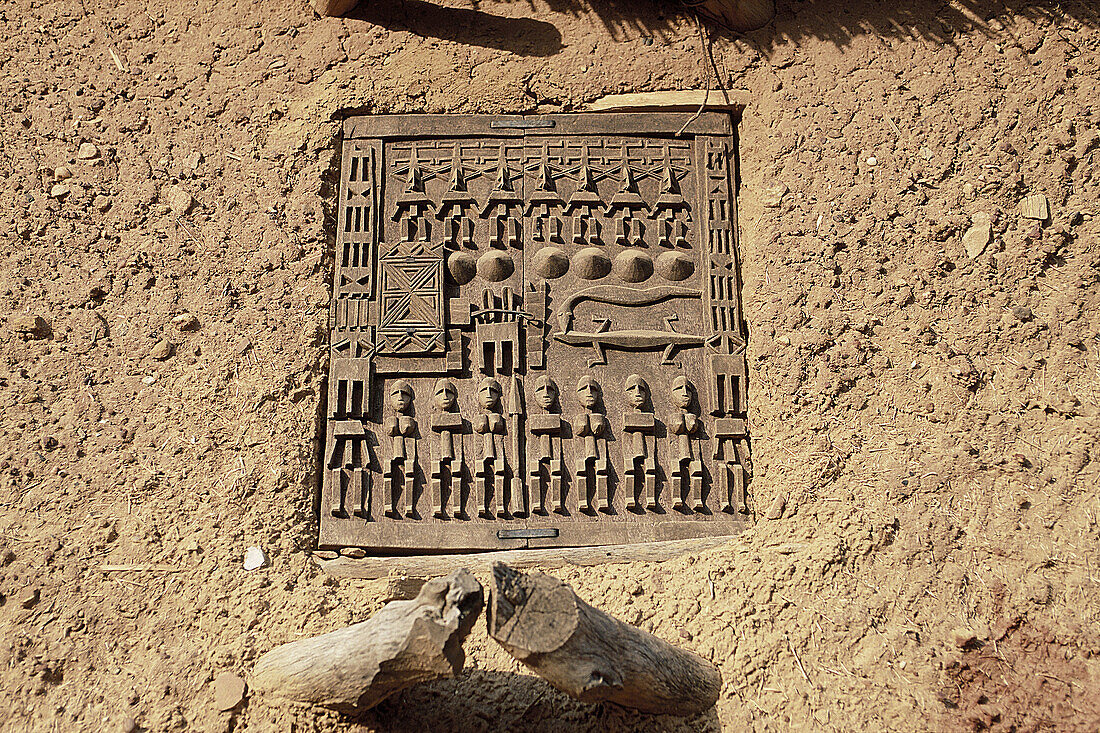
<point>536,334</point>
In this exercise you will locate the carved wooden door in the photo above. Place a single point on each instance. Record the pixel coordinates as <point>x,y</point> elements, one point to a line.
<point>536,334</point>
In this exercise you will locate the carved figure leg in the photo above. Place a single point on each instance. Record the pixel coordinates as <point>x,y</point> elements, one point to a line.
<point>336,491</point>
<point>358,496</point>
<point>738,502</point>
<point>603,470</point>
<point>583,488</point>
<point>631,476</point>
<point>409,491</point>
<point>454,496</point>
<point>390,488</point>
<point>651,482</point>
<point>534,480</point>
<point>697,486</point>
<point>438,505</point>
<point>488,488</point>
<point>682,484</point>
<point>557,482</point>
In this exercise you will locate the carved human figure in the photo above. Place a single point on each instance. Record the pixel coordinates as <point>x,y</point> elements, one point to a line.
<point>591,429</point>
<point>448,457</point>
<point>349,479</point>
<point>546,426</point>
<point>491,427</point>
<point>399,481</point>
<point>639,444</point>
<point>687,429</point>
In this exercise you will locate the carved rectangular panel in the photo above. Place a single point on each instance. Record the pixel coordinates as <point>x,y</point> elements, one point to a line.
<point>536,335</point>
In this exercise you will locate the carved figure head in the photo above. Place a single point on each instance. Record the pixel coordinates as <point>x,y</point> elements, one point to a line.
<point>546,392</point>
<point>445,394</point>
<point>588,392</point>
<point>637,391</point>
<point>401,395</point>
<point>488,393</point>
<point>681,393</point>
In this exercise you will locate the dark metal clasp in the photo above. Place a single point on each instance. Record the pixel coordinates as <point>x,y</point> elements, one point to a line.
<point>527,533</point>
<point>521,124</point>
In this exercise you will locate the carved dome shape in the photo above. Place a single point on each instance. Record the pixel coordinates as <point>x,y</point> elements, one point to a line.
<point>591,263</point>
<point>551,262</point>
<point>633,266</point>
<point>495,266</point>
<point>675,266</point>
<point>462,267</point>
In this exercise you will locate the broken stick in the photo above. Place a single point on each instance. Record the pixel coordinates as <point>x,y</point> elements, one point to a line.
<point>590,655</point>
<point>357,667</point>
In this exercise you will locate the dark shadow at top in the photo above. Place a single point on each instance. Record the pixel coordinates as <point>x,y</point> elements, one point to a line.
<point>841,21</point>
<point>521,36</point>
<point>835,21</point>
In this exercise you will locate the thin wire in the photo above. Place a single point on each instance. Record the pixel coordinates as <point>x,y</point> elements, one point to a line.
<point>703,42</point>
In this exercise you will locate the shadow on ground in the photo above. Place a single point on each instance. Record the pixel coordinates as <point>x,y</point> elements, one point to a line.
<point>492,702</point>
<point>836,21</point>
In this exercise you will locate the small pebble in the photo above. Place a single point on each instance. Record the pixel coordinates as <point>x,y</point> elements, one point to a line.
<point>254,558</point>
<point>179,201</point>
<point>963,638</point>
<point>1023,313</point>
<point>872,161</point>
<point>186,322</point>
<point>128,725</point>
<point>59,190</point>
<point>30,325</point>
<point>161,350</point>
<point>978,236</point>
<point>149,380</point>
<point>87,151</point>
<point>101,203</point>
<point>62,173</point>
<point>355,553</point>
<point>775,511</point>
<point>229,691</point>
<point>27,598</point>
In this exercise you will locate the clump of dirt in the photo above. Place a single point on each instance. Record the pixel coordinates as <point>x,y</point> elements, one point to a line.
<point>923,355</point>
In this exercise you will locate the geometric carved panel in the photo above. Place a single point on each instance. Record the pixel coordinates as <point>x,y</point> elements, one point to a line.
<point>537,335</point>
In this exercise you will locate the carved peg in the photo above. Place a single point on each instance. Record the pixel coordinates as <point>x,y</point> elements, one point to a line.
<point>448,461</point>
<point>639,445</point>
<point>593,467</point>
<point>546,426</point>
<point>491,466</point>
<point>399,481</point>
<point>689,460</point>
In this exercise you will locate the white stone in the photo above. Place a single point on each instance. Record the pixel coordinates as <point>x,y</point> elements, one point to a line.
<point>254,558</point>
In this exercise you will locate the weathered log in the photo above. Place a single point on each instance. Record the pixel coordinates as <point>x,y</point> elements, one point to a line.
<point>590,655</point>
<point>357,667</point>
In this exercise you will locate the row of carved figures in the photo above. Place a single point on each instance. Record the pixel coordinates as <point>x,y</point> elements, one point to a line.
<point>590,430</point>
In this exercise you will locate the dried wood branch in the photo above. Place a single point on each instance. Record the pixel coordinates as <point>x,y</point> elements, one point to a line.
<point>357,667</point>
<point>590,655</point>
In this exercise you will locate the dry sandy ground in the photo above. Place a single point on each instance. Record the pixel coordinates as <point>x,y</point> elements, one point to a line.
<point>928,412</point>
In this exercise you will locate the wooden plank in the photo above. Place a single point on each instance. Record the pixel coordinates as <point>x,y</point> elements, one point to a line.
<point>664,122</point>
<point>371,568</point>
<point>427,535</point>
<point>687,100</point>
